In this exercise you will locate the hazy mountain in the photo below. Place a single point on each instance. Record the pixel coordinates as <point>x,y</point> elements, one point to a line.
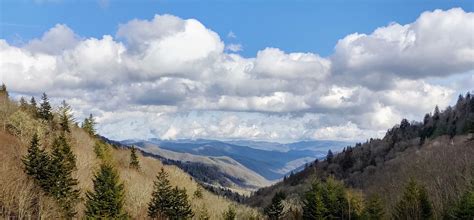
<point>269,159</point>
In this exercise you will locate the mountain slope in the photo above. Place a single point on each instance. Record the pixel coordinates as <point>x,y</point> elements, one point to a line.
<point>436,153</point>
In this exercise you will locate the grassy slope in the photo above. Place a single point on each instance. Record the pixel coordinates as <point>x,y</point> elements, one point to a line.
<point>17,191</point>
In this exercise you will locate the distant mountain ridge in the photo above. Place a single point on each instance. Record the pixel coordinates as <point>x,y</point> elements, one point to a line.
<point>270,160</point>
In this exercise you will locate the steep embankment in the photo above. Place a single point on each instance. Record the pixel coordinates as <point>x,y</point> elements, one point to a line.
<point>18,191</point>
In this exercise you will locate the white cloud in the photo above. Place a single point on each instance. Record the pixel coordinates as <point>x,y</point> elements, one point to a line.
<point>234,47</point>
<point>172,78</point>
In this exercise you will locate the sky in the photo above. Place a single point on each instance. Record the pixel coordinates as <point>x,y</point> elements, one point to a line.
<point>278,71</point>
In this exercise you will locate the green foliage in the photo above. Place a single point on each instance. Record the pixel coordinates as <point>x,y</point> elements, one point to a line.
<point>180,209</point>
<point>464,208</point>
<point>65,116</point>
<point>373,209</point>
<point>61,185</point>
<point>107,199</point>
<point>414,203</point>
<point>313,206</point>
<point>168,202</point>
<point>22,125</point>
<point>134,163</point>
<point>33,107</point>
<point>160,201</point>
<point>89,125</point>
<point>102,151</point>
<point>330,156</point>
<point>44,111</point>
<point>229,214</point>
<point>37,162</point>
<point>274,211</point>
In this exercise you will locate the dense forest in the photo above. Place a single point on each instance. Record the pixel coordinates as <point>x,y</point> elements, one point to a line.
<point>418,170</point>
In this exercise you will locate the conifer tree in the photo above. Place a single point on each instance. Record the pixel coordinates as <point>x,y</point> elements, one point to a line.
<point>134,159</point>
<point>89,125</point>
<point>229,214</point>
<point>464,208</point>
<point>274,211</point>
<point>313,206</point>
<point>61,184</point>
<point>65,116</point>
<point>45,109</point>
<point>34,107</point>
<point>37,162</point>
<point>203,213</point>
<point>161,197</point>
<point>180,208</point>
<point>107,199</point>
<point>329,156</point>
<point>414,203</point>
<point>374,209</point>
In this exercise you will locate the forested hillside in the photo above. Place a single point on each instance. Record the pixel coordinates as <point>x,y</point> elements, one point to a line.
<point>54,168</point>
<point>419,170</point>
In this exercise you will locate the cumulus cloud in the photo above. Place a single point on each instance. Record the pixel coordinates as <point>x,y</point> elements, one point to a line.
<point>438,43</point>
<point>170,77</point>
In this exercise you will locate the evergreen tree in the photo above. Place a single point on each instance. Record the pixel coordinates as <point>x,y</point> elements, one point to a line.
<point>203,213</point>
<point>229,214</point>
<point>330,156</point>
<point>274,211</point>
<point>134,159</point>
<point>107,199</point>
<point>65,116</point>
<point>180,208</point>
<point>34,107</point>
<point>414,203</point>
<point>61,185</point>
<point>161,196</point>
<point>464,209</point>
<point>313,206</point>
<point>37,162</point>
<point>89,125</point>
<point>374,209</point>
<point>45,109</point>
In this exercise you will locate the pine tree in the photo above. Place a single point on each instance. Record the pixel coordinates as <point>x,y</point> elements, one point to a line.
<point>374,209</point>
<point>161,196</point>
<point>134,159</point>
<point>180,209</point>
<point>229,214</point>
<point>37,162</point>
<point>45,109</point>
<point>89,125</point>
<point>274,211</point>
<point>34,107</point>
<point>107,199</point>
<point>65,116</point>
<point>313,206</point>
<point>464,208</point>
<point>414,203</point>
<point>61,185</point>
<point>330,156</point>
<point>203,213</point>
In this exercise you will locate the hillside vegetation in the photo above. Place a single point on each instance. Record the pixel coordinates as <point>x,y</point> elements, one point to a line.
<point>432,159</point>
<point>22,196</point>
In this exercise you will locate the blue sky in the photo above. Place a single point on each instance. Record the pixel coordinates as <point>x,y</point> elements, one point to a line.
<point>290,70</point>
<point>293,26</point>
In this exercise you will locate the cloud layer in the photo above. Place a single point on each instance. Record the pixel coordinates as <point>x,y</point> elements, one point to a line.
<point>174,78</point>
